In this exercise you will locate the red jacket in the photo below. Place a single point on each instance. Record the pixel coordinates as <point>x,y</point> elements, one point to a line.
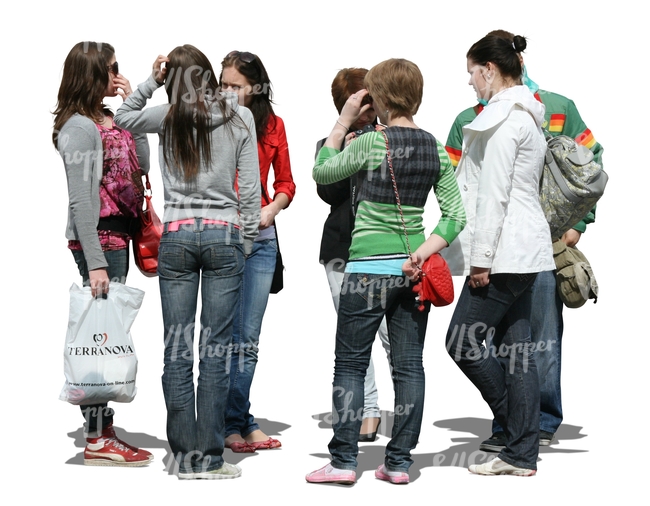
<point>273,150</point>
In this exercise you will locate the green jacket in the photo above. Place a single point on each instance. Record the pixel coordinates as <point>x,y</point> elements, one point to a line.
<point>561,117</point>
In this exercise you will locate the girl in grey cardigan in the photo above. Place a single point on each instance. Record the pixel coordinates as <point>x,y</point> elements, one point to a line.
<point>103,165</point>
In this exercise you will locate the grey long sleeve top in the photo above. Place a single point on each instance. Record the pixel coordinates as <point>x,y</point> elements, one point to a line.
<point>234,157</point>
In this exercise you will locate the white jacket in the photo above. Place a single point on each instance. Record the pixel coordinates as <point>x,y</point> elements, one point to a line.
<point>498,176</point>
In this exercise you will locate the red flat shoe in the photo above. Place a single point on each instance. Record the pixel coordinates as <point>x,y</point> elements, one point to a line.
<point>242,447</point>
<point>269,444</point>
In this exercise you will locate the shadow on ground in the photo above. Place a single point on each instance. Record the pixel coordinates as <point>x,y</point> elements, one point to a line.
<point>463,451</point>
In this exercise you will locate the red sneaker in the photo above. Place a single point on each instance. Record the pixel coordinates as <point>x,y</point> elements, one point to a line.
<point>108,450</point>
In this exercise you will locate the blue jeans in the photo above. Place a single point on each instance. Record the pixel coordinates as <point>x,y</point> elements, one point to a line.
<point>546,328</point>
<point>249,312</point>
<point>100,416</point>
<point>364,301</point>
<point>505,373</point>
<point>210,256</point>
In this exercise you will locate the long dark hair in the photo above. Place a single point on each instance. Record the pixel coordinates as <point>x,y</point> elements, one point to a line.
<point>83,85</point>
<point>192,87</point>
<point>251,67</point>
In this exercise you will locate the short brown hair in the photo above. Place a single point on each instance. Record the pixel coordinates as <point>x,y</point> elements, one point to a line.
<point>398,84</point>
<point>347,82</point>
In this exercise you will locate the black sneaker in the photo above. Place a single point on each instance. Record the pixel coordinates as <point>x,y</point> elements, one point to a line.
<point>545,438</point>
<point>496,443</point>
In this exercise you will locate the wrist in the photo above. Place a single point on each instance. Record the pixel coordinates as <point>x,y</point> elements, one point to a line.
<point>341,124</point>
<point>274,207</point>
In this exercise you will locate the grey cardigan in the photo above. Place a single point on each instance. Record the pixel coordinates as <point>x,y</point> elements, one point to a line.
<point>80,146</point>
<point>234,158</point>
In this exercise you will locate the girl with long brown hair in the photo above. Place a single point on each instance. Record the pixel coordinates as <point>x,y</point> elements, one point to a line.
<point>104,165</point>
<point>207,141</point>
<point>245,74</point>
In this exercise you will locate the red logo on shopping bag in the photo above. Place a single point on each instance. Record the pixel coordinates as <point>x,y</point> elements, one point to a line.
<point>100,339</point>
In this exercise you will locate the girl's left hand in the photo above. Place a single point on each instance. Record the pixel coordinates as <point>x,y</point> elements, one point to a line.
<point>479,277</point>
<point>349,138</point>
<point>268,215</point>
<point>122,86</point>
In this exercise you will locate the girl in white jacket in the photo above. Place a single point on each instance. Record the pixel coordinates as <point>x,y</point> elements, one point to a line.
<point>505,244</point>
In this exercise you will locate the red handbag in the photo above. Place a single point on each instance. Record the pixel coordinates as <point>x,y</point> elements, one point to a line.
<point>147,239</point>
<point>435,283</point>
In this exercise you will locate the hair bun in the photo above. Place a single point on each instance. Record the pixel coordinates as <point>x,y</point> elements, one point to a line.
<point>519,43</point>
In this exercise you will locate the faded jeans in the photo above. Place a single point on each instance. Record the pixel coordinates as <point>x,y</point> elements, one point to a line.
<point>209,256</point>
<point>249,313</point>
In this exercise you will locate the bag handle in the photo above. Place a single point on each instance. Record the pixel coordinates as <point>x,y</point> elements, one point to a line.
<point>147,186</point>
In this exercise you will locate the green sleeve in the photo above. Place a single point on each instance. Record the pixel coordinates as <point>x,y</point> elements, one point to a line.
<point>364,153</point>
<point>453,217</point>
<point>575,127</point>
<point>454,144</point>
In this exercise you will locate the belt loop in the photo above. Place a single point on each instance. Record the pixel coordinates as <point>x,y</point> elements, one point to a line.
<point>198,224</point>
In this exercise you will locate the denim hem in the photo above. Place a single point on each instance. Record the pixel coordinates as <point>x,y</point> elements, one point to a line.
<point>397,470</point>
<point>212,468</point>
<point>343,468</point>
<point>252,428</point>
<point>518,463</point>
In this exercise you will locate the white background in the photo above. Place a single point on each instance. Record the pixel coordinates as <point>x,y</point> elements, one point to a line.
<point>575,49</point>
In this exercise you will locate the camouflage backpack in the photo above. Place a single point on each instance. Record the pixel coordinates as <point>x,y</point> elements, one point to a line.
<point>571,183</point>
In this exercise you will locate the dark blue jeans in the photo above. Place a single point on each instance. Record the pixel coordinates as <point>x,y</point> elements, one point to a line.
<point>100,416</point>
<point>364,301</point>
<point>546,327</point>
<point>505,373</point>
<point>210,257</point>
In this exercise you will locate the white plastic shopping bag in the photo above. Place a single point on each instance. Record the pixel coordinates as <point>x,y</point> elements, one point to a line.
<point>99,357</point>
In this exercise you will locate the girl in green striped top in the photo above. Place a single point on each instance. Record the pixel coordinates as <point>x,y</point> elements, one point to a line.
<point>378,273</point>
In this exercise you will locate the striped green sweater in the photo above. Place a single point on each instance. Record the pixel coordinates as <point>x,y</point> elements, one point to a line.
<point>378,227</point>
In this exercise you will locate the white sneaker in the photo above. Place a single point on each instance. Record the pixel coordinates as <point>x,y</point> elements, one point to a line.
<point>498,466</point>
<point>225,472</point>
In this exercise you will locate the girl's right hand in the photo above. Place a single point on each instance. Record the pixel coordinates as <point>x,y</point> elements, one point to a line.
<point>159,71</point>
<point>99,282</point>
<point>412,267</point>
<point>353,109</point>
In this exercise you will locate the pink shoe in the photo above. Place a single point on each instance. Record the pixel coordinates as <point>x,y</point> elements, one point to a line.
<point>329,474</point>
<point>240,447</point>
<point>397,477</point>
